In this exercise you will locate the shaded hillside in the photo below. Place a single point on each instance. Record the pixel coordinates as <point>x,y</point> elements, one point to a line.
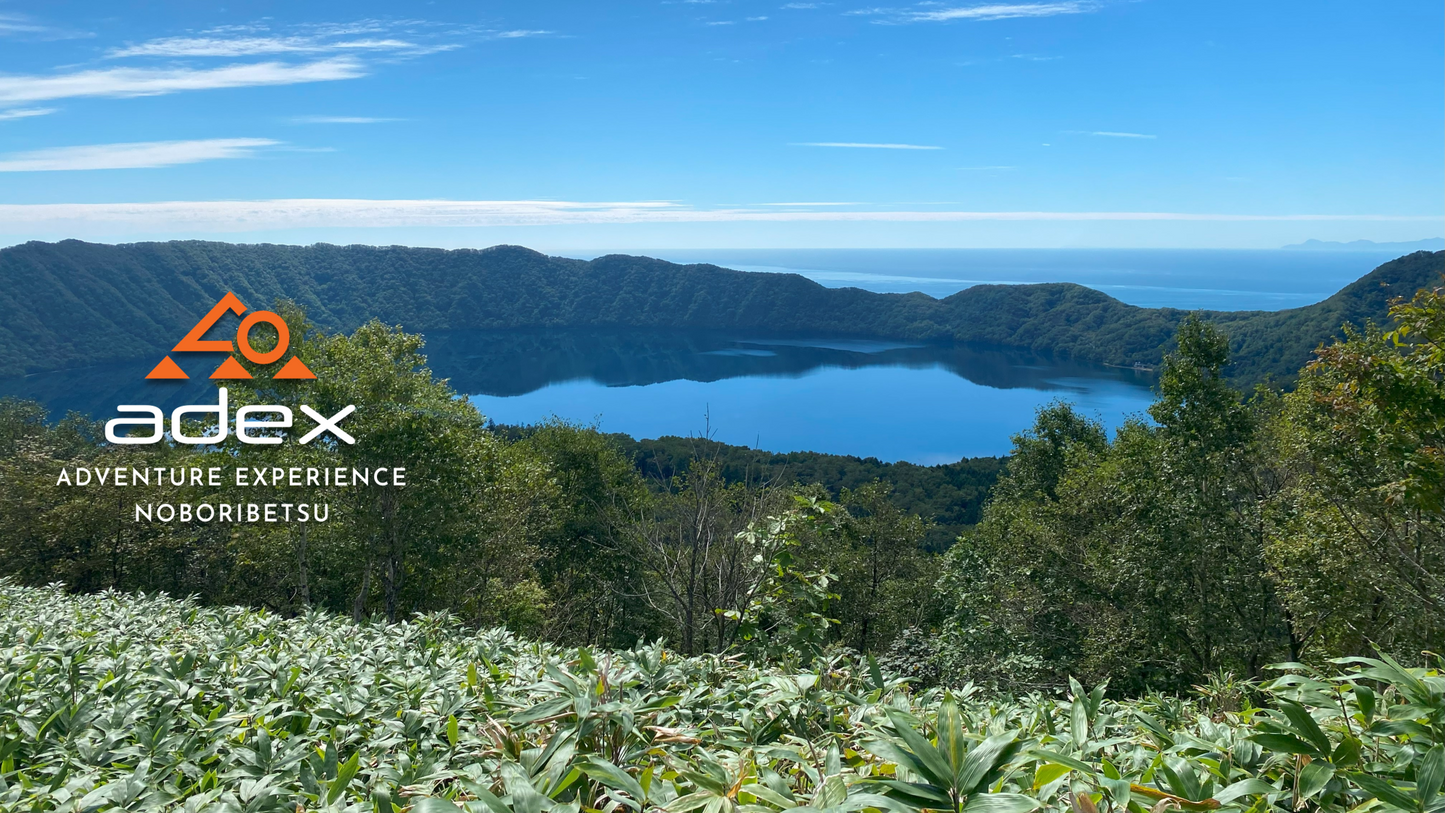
<point>949,496</point>
<point>73,304</point>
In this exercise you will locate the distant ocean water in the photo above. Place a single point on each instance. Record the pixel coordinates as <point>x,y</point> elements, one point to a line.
<point>1210,279</point>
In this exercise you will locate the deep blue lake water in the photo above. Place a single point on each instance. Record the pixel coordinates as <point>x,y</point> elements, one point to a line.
<point>921,403</point>
<point>925,404</point>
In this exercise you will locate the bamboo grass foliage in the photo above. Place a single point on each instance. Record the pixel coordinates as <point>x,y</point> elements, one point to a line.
<point>117,701</point>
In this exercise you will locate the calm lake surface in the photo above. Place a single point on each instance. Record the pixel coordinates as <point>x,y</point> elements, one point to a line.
<point>894,401</point>
<point>921,403</point>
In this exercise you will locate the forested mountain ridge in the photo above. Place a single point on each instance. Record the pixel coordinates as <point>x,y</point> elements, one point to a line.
<point>73,304</point>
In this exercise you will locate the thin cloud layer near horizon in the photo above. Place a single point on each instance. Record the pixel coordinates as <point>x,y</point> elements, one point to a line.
<point>724,123</point>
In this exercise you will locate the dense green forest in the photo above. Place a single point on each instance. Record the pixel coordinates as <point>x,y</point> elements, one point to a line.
<point>948,497</point>
<point>1223,533</point>
<point>74,304</point>
<point>552,620</point>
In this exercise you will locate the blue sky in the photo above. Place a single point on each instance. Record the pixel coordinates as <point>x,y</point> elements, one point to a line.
<point>729,123</point>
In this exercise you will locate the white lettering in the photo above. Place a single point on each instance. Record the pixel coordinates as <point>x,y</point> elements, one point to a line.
<point>223,423</point>
<point>155,420</point>
<point>244,422</point>
<point>326,424</point>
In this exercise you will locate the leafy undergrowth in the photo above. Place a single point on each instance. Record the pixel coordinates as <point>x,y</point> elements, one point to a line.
<point>118,701</point>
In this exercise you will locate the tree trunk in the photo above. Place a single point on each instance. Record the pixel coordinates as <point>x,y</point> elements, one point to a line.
<point>358,608</point>
<point>302,576</point>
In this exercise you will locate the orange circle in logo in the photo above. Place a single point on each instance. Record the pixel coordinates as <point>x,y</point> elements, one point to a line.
<point>243,337</point>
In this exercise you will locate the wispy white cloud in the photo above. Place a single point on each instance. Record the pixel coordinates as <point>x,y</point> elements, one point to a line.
<point>803,5</point>
<point>999,11</point>
<point>1109,134</point>
<point>253,46</point>
<point>756,19</point>
<point>15,24</point>
<point>938,12</point>
<point>24,27</point>
<point>242,216</point>
<point>519,33</point>
<point>396,37</point>
<point>25,112</point>
<point>341,120</point>
<point>863,146</point>
<point>815,203</point>
<point>121,82</point>
<point>721,22</point>
<point>135,155</point>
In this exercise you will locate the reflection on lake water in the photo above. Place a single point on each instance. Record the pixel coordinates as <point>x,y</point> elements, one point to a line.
<point>890,400</point>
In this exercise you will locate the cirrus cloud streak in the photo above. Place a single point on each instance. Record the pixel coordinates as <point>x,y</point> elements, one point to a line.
<point>240,216</point>
<point>125,82</point>
<point>135,155</point>
<point>1001,11</point>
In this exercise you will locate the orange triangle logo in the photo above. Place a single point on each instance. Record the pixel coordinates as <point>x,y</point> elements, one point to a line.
<point>230,368</point>
<point>294,369</point>
<point>167,369</point>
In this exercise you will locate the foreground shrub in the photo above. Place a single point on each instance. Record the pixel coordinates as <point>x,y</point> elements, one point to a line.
<point>114,701</point>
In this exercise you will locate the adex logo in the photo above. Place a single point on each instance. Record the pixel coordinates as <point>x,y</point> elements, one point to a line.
<point>280,417</point>
<point>231,369</point>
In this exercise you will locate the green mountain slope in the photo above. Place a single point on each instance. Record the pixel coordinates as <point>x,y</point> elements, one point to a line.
<point>74,304</point>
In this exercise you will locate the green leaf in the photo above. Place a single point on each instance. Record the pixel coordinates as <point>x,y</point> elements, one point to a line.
<point>1064,759</point>
<point>1314,777</point>
<point>453,734</point>
<point>542,711</point>
<point>1079,722</point>
<point>1365,699</point>
<point>1096,697</point>
<point>770,796</point>
<point>485,796</point>
<point>1305,725</point>
<point>1245,787</point>
<point>930,764</point>
<point>832,793</point>
<point>952,741</point>
<point>344,775</point>
<point>859,801</point>
<point>922,795</point>
<point>614,777</point>
<point>982,759</point>
<point>875,673</point>
<point>691,801</point>
<point>434,804</point>
<point>1284,744</point>
<point>1001,803</point>
<point>1429,775</point>
<point>1182,781</point>
<point>1347,752</point>
<point>1119,791</point>
<point>1048,772</point>
<point>1382,790</point>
